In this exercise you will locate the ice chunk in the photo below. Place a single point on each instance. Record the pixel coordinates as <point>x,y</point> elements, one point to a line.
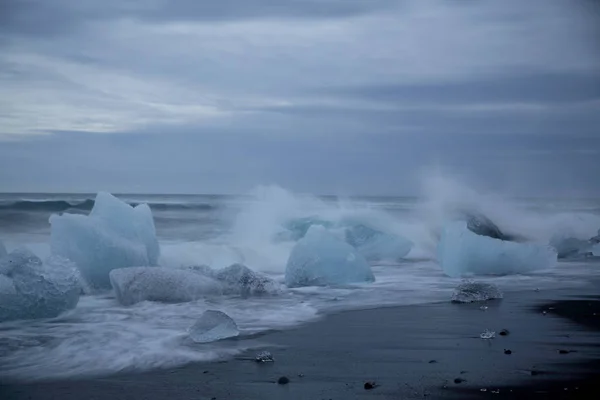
<point>264,356</point>
<point>239,279</point>
<point>3,252</point>
<point>487,334</point>
<point>32,289</point>
<point>168,285</point>
<point>462,252</point>
<point>596,250</point>
<point>114,235</point>
<point>375,245</point>
<point>212,326</point>
<point>469,291</point>
<point>320,259</point>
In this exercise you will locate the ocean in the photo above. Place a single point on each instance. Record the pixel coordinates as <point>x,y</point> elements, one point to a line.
<point>101,337</point>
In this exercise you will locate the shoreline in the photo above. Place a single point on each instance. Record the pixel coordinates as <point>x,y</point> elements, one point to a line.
<point>416,351</point>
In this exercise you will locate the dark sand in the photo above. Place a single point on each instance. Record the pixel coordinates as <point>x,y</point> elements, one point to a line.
<point>414,352</point>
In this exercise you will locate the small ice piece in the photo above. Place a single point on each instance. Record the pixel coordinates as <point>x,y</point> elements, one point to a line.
<point>213,325</point>
<point>264,356</point>
<point>320,259</point>
<point>31,289</point>
<point>3,252</point>
<point>114,235</point>
<point>469,292</point>
<point>483,308</point>
<point>487,334</point>
<point>298,227</point>
<point>462,252</point>
<point>167,285</point>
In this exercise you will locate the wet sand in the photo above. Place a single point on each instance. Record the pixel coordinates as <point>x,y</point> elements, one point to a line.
<point>428,351</point>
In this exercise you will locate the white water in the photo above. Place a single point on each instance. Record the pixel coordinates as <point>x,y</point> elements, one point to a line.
<point>100,337</point>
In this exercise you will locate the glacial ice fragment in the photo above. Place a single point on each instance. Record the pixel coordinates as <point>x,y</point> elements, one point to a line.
<point>462,252</point>
<point>31,289</point>
<point>469,292</point>
<point>570,247</point>
<point>321,259</point>
<point>213,325</point>
<point>114,235</point>
<point>375,245</point>
<point>596,250</point>
<point>264,356</point>
<point>487,334</point>
<point>167,285</point>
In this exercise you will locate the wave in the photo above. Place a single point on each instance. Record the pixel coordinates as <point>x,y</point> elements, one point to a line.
<point>88,204</point>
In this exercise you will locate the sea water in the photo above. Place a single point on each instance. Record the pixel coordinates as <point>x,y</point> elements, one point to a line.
<point>259,230</point>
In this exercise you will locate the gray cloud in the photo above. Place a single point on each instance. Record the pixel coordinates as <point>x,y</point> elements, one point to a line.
<point>42,17</point>
<point>317,95</point>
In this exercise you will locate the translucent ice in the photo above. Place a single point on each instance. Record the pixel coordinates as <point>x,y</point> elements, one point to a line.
<point>298,227</point>
<point>264,356</point>
<point>321,259</point>
<point>487,334</point>
<point>462,252</point>
<point>596,250</point>
<point>32,289</point>
<point>375,245</point>
<point>212,326</point>
<point>114,235</point>
<point>168,285</point>
<point>468,292</point>
<point>239,279</point>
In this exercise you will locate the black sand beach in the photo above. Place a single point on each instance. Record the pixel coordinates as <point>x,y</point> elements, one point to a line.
<point>413,352</point>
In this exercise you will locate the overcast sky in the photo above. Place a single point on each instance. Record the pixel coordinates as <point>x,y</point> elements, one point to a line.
<point>324,96</point>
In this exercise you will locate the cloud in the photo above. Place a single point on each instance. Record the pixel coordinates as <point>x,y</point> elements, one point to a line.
<point>268,77</point>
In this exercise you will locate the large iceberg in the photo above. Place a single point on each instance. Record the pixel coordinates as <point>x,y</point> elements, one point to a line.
<point>239,279</point>
<point>167,285</point>
<point>30,288</point>
<point>462,252</point>
<point>213,325</point>
<point>321,259</point>
<point>114,235</point>
<point>375,245</point>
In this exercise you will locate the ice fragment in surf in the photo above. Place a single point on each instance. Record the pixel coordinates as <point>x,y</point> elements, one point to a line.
<point>570,247</point>
<point>264,356</point>
<point>321,259</point>
<point>375,245</point>
<point>114,235</point>
<point>212,326</point>
<point>239,279</point>
<point>462,252</point>
<point>30,288</point>
<point>487,334</point>
<point>167,285</point>
<point>469,292</point>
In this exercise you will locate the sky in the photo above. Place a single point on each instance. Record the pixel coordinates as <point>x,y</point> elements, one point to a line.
<point>320,96</point>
